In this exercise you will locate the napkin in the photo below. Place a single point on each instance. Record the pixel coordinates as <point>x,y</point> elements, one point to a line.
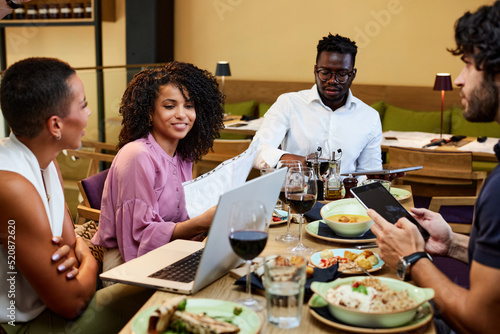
<point>314,213</point>
<point>320,275</point>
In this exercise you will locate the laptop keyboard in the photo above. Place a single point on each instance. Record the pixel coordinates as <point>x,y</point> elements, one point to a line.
<point>183,270</point>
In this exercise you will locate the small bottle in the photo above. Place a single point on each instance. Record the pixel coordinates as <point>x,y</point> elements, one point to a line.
<point>20,13</point>
<point>43,11</point>
<point>66,11</point>
<point>333,182</point>
<point>53,11</point>
<point>32,12</point>
<point>88,10</point>
<point>349,182</point>
<point>320,184</point>
<point>78,10</point>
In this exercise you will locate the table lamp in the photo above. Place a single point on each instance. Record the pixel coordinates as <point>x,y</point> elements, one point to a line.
<point>222,70</point>
<point>442,83</point>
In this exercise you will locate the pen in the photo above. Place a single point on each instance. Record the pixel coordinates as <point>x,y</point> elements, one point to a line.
<point>436,143</point>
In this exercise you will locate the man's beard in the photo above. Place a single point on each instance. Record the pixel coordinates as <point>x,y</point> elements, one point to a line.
<point>483,102</point>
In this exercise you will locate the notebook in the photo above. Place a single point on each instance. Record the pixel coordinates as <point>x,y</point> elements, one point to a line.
<point>217,257</point>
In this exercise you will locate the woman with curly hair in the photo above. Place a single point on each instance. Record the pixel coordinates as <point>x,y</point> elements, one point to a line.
<point>171,116</point>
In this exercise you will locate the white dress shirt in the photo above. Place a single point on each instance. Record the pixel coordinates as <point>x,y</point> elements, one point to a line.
<point>298,119</point>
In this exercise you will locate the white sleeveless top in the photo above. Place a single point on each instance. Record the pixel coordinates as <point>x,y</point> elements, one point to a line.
<point>16,157</point>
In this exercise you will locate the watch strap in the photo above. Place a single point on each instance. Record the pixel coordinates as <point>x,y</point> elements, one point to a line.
<point>412,259</point>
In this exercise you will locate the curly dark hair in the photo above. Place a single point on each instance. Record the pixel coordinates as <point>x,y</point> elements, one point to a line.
<point>478,35</point>
<point>138,103</point>
<point>337,44</point>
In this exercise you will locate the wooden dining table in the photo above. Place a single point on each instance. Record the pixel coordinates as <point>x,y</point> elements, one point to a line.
<point>225,289</point>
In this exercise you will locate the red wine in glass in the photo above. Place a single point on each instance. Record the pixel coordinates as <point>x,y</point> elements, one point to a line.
<point>248,244</point>
<point>301,203</point>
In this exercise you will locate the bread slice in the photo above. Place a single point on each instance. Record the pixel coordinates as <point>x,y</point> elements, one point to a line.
<point>350,255</point>
<point>161,317</point>
<point>167,314</point>
<point>202,324</point>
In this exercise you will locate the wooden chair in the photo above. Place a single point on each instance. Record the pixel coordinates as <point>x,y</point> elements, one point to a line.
<point>91,190</point>
<point>441,201</point>
<point>442,170</point>
<point>222,150</point>
<point>93,151</point>
<point>447,170</point>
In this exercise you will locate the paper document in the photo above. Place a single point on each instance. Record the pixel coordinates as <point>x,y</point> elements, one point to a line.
<point>250,125</point>
<point>203,192</point>
<point>485,147</point>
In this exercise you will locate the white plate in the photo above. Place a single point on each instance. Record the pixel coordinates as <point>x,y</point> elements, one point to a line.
<point>313,230</point>
<point>400,194</point>
<point>282,221</point>
<point>315,260</point>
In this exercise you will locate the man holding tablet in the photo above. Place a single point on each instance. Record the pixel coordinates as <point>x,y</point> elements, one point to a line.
<point>401,245</point>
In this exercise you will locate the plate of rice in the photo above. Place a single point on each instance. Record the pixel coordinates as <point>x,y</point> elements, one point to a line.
<point>377,302</point>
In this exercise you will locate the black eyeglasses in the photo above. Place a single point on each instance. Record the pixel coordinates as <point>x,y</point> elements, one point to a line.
<point>341,77</point>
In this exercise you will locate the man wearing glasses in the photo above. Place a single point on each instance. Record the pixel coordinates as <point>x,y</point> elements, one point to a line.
<point>327,112</point>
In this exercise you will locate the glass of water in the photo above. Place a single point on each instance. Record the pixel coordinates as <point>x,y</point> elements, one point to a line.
<point>284,280</point>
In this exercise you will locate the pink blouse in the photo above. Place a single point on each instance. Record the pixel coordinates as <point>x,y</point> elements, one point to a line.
<point>143,199</point>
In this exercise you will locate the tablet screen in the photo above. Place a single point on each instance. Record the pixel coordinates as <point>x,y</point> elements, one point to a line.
<point>375,196</point>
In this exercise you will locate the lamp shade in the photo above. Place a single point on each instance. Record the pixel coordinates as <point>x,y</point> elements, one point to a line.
<point>443,82</point>
<point>223,69</point>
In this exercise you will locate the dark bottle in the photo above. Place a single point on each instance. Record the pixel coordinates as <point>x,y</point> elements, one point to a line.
<point>53,11</point>
<point>20,13</point>
<point>349,182</point>
<point>66,11</point>
<point>88,10</point>
<point>78,10</point>
<point>43,11</point>
<point>320,184</point>
<point>32,12</point>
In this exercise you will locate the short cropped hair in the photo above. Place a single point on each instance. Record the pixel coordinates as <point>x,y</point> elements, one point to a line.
<point>32,90</point>
<point>139,98</point>
<point>478,35</point>
<point>337,44</point>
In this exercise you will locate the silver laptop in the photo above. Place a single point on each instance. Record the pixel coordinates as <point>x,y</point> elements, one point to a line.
<point>217,257</point>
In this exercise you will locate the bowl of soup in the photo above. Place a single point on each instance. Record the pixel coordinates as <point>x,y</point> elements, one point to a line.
<point>346,217</point>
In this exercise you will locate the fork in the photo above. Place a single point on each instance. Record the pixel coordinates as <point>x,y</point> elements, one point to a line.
<point>363,270</point>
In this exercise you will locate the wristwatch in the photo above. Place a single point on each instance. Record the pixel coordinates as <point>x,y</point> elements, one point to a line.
<point>12,4</point>
<point>405,263</point>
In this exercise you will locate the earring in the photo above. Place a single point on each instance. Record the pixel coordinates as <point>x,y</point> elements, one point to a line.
<point>150,121</point>
<point>58,137</point>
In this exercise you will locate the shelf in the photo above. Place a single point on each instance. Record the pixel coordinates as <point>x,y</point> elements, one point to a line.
<point>94,21</point>
<point>47,23</point>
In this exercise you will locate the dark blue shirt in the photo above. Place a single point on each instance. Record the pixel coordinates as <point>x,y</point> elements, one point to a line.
<point>484,243</point>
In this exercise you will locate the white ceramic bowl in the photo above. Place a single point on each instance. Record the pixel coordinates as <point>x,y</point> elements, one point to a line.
<point>371,319</point>
<point>346,206</point>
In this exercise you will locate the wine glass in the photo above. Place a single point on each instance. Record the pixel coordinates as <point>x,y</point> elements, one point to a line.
<point>301,193</point>
<point>267,170</point>
<point>288,236</point>
<point>248,232</point>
